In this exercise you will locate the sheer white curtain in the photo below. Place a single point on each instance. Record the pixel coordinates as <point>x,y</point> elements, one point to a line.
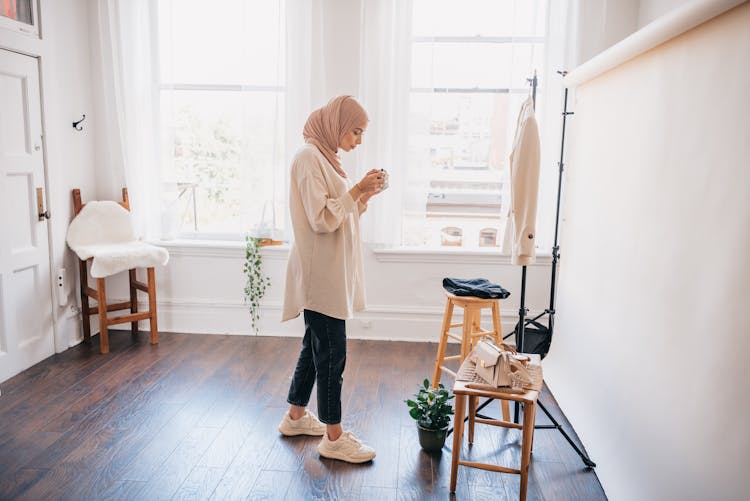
<point>384,92</point>
<point>558,55</point>
<point>124,43</point>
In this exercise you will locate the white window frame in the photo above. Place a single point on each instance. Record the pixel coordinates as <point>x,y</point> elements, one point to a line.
<point>475,90</point>
<point>31,30</point>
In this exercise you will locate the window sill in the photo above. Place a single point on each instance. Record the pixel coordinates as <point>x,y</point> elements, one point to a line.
<point>236,249</point>
<point>451,256</point>
<point>218,248</point>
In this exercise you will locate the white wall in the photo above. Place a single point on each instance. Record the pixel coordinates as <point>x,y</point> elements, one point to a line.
<point>200,291</point>
<point>648,10</point>
<point>66,89</point>
<point>649,358</point>
<point>600,24</point>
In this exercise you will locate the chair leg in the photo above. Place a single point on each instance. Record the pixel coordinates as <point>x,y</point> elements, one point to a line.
<point>443,344</point>
<point>101,299</point>
<point>152,306</point>
<point>85,315</point>
<point>133,301</point>
<point>505,409</point>
<point>472,416</point>
<point>458,429</point>
<point>529,410</point>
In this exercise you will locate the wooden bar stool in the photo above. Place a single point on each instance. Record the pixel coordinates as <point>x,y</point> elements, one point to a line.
<point>467,391</point>
<point>122,254</point>
<point>471,329</point>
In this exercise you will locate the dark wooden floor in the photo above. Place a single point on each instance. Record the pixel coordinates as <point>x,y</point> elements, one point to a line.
<point>196,418</point>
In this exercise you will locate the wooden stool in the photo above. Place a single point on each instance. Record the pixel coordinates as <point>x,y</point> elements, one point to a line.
<point>464,390</point>
<point>472,329</point>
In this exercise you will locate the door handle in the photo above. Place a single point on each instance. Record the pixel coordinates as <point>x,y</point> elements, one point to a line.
<point>42,214</point>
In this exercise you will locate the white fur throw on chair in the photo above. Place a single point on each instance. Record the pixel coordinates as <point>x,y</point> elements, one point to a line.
<point>103,230</point>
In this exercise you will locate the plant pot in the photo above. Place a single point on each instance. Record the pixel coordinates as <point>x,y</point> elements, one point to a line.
<point>432,440</point>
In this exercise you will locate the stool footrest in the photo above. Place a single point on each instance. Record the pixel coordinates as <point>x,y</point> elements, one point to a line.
<point>489,467</point>
<point>444,368</point>
<point>454,336</point>
<point>482,332</point>
<point>452,357</point>
<point>453,326</point>
<point>502,424</point>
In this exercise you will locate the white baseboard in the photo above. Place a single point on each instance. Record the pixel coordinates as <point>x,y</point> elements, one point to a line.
<point>379,322</point>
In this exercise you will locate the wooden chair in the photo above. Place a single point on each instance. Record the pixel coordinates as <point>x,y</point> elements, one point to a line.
<point>467,391</point>
<point>100,296</point>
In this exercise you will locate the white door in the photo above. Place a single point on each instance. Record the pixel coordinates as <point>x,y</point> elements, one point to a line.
<point>26,334</point>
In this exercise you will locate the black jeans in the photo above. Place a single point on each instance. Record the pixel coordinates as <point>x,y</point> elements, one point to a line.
<point>322,360</point>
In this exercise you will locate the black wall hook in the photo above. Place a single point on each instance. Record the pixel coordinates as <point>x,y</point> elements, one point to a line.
<point>76,124</point>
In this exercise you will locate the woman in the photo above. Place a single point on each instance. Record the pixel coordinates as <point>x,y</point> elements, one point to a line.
<point>324,278</point>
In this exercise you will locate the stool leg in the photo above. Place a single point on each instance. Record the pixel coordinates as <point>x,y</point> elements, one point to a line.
<point>442,345</point>
<point>458,429</point>
<point>101,299</point>
<point>468,329</point>
<point>497,326</point>
<point>476,325</point>
<point>529,409</point>
<point>152,306</point>
<point>472,416</point>
<point>133,301</point>
<point>85,313</point>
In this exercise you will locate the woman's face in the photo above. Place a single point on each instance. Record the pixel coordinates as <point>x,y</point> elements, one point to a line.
<point>351,139</point>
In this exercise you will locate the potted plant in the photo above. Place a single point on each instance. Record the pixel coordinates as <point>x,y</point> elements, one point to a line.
<point>256,282</point>
<point>433,413</point>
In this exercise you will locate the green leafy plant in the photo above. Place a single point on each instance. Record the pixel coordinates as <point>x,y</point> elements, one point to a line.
<point>430,408</point>
<point>256,283</point>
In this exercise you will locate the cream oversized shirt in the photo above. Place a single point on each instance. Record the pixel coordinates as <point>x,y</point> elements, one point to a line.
<point>324,272</point>
<point>520,232</point>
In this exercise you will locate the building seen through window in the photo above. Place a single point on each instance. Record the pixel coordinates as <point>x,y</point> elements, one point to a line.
<point>469,65</point>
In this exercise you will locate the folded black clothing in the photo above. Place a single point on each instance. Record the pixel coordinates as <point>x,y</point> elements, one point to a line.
<point>477,287</point>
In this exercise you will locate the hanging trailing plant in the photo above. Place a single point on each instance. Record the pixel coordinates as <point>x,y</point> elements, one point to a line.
<point>256,282</point>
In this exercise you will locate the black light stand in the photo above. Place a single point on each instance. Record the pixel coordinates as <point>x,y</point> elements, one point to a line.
<point>551,310</point>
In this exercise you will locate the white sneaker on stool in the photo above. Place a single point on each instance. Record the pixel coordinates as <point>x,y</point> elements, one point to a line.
<point>346,448</point>
<point>308,424</point>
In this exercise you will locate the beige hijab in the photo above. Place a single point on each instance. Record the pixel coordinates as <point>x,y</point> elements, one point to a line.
<point>326,127</point>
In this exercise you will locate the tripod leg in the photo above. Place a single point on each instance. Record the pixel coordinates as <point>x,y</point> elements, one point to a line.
<point>588,462</point>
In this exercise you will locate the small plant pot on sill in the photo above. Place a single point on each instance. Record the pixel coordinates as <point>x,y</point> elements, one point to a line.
<point>432,440</point>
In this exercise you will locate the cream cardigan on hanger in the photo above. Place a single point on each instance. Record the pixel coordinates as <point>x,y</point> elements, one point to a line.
<point>324,272</point>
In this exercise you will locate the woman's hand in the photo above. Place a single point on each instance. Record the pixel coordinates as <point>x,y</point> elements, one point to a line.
<point>372,183</point>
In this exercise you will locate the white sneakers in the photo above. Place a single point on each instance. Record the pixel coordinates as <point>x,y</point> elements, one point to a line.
<point>346,448</point>
<point>308,424</point>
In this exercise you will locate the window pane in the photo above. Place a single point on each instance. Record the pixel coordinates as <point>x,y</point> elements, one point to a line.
<point>19,10</point>
<point>226,147</point>
<point>479,17</point>
<point>462,142</point>
<point>221,42</point>
<point>470,65</point>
